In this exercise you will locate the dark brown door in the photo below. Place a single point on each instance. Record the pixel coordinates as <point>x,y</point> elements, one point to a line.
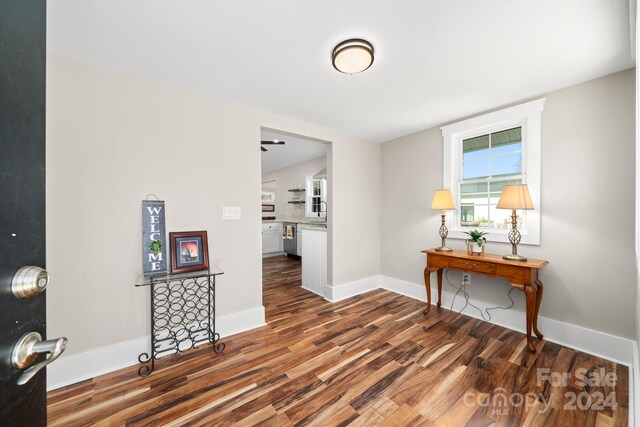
<point>22,203</point>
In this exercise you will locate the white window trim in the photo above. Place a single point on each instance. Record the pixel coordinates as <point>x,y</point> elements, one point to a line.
<point>308,179</point>
<point>527,115</point>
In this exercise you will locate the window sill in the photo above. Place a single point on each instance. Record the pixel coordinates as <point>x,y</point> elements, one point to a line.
<point>494,235</point>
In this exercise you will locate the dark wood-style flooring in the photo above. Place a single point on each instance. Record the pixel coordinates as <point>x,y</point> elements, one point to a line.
<point>373,359</point>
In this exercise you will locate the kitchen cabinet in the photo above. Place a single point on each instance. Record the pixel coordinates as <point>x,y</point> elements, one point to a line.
<point>271,237</point>
<point>299,241</point>
<point>314,260</point>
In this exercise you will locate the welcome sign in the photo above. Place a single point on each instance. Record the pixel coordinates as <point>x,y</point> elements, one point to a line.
<point>154,241</point>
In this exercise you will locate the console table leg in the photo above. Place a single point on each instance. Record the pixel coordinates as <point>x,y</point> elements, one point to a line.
<point>439,287</point>
<point>535,313</point>
<point>427,284</point>
<point>531,307</point>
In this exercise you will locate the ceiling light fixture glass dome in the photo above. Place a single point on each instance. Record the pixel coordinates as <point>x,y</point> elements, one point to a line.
<point>352,56</point>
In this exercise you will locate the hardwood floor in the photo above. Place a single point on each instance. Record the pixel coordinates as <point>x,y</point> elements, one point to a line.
<point>373,359</point>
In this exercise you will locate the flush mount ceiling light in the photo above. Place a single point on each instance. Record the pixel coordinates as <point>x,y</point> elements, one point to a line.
<point>352,56</point>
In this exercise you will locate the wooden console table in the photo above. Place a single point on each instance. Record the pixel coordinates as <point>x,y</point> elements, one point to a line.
<point>521,275</point>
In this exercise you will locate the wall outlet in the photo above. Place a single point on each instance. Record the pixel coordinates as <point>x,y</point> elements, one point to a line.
<point>466,278</point>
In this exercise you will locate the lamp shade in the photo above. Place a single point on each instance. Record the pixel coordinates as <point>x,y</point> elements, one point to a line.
<point>442,199</point>
<point>515,197</point>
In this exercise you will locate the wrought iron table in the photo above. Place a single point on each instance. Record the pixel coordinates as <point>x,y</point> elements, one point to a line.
<point>182,314</point>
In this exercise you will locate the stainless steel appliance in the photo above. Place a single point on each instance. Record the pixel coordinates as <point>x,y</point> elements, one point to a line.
<point>290,238</point>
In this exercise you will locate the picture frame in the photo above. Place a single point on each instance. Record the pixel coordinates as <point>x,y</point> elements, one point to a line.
<point>268,197</point>
<point>189,251</point>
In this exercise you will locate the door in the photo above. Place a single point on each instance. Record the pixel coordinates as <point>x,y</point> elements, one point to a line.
<point>22,214</point>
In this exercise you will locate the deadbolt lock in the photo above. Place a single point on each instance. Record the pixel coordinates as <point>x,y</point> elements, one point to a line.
<point>29,281</point>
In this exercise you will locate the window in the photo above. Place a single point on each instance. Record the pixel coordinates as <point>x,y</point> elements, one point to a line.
<point>481,156</point>
<point>489,162</point>
<point>316,193</point>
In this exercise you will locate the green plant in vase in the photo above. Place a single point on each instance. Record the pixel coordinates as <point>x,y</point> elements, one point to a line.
<point>476,237</point>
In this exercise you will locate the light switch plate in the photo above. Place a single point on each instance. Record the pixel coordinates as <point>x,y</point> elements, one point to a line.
<point>231,212</point>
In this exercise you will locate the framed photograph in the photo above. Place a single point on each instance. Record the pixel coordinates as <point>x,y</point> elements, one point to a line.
<point>189,251</point>
<point>268,197</point>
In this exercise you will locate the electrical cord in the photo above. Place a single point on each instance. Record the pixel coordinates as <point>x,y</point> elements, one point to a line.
<point>463,288</point>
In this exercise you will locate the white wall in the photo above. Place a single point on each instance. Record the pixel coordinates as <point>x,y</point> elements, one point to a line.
<point>283,179</point>
<point>587,208</point>
<point>112,138</point>
<point>636,368</point>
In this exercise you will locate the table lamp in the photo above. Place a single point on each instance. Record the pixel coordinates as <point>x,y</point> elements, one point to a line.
<point>515,197</point>
<point>443,200</point>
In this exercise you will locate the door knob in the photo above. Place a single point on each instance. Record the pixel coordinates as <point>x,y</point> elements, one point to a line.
<point>27,349</point>
<point>29,281</point>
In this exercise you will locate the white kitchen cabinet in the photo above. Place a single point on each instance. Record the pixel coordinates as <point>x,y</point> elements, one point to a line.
<point>299,241</point>
<point>314,260</point>
<point>271,237</point>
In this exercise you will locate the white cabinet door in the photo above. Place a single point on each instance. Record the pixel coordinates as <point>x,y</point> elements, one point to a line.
<point>271,242</point>
<point>271,237</point>
<point>299,241</point>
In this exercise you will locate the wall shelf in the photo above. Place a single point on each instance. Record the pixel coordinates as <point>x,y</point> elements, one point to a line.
<point>296,190</point>
<point>297,202</point>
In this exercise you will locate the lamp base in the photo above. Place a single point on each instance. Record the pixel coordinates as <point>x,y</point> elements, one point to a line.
<point>514,258</point>
<point>444,249</point>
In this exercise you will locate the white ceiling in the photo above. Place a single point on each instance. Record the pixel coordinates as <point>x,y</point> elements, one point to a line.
<point>436,60</point>
<point>296,150</point>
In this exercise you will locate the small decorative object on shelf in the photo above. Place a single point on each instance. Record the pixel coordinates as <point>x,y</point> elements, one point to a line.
<point>476,242</point>
<point>189,251</point>
<point>183,314</point>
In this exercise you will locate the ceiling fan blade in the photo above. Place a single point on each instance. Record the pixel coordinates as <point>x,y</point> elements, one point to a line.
<point>263,149</point>
<point>272,142</point>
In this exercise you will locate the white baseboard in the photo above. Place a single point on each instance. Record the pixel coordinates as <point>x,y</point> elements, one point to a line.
<point>350,289</point>
<point>312,291</point>
<point>241,321</point>
<point>272,254</point>
<point>599,344</point>
<point>82,366</point>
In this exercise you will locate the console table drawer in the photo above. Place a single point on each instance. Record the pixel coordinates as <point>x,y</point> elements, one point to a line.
<point>438,261</point>
<point>514,274</point>
<point>475,266</point>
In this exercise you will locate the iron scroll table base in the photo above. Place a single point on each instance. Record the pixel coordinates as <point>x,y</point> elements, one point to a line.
<point>182,314</point>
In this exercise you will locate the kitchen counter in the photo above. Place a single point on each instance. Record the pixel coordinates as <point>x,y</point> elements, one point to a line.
<point>320,227</point>
<point>305,222</point>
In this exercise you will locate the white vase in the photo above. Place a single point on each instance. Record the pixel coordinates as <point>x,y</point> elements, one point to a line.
<point>474,249</point>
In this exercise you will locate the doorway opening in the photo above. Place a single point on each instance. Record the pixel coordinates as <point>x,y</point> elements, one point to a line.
<point>296,216</point>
